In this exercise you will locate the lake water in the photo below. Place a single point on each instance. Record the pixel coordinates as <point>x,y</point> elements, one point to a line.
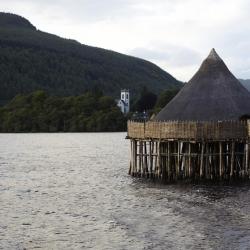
<point>72,191</point>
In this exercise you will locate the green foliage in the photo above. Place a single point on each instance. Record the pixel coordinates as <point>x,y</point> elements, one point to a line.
<point>146,101</point>
<point>32,60</point>
<point>164,98</point>
<point>39,112</point>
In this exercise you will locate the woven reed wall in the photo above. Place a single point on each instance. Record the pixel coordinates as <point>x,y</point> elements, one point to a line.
<point>189,130</point>
<point>248,127</point>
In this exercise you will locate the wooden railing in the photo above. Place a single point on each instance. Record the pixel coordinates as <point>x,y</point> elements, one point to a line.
<point>192,130</point>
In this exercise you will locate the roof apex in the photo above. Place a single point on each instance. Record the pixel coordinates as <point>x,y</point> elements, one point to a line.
<point>213,55</point>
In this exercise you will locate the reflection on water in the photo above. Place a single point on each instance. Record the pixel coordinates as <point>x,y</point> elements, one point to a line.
<point>72,191</point>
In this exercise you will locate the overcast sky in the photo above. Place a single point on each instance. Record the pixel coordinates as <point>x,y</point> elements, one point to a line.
<point>174,34</point>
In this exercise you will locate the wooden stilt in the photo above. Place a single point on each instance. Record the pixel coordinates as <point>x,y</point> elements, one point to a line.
<point>178,160</point>
<point>158,159</point>
<point>232,159</point>
<point>202,158</point>
<point>131,158</point>
<point>153,160</point>
<point>163,162</point>
<point>172,160</point>
<point>220,161</point>
<point>150,158</point>
<point>145,159</point>
<point>247,159</point>
<point>136,156</point>
<point>189,160</point>
<point>168,161</point>
<point>140,157</point>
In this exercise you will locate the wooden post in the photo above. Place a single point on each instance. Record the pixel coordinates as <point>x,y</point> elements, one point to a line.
<point>143,159</point>
<point>189,159</point>
<point>185,159</point>
<point>153,161</point>
<point>207,162</point>
<point>247,158</point>
<point>158,158</point>
<point>168,163</point>
<point>201,160</point>
<point>232,159</point>
<point>131,157</point>
<point>163,162</point>
<point>197,160</point>
<point>178,160</point>
<point>146,158</point>
<point>135,151</point>
<point>227,165</point>
<point>212,165</point>
<point>150,158</point>
<point>220,160</point>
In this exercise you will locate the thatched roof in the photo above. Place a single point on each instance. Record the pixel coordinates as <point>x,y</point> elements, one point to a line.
<point>213,94</point>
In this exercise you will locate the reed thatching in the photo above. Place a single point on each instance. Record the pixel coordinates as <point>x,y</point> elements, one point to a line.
<point>213,94</point>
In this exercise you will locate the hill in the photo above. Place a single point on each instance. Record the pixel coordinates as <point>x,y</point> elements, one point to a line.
<point>245,83</point>
<point>33,60</point>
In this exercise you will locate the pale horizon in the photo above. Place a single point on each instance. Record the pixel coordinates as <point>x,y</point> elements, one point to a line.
<point>177,36</point>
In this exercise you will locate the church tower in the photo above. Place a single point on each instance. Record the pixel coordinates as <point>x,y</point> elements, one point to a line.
<point>124,101</point>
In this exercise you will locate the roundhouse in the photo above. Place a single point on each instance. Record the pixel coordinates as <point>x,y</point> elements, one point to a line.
<point>202,134</point>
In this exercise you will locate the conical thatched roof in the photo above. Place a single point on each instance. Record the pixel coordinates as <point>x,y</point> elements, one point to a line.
<point>213,94</point>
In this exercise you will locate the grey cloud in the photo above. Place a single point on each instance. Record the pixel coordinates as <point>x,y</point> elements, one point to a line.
<point>172,55</point>
<point>96,10</point>
<point>84,10</point>
<point>150,54</point>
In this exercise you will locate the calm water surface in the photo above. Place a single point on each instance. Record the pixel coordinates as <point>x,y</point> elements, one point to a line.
<point>72,191</point>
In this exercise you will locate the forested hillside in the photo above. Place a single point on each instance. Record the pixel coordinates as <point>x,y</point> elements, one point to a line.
<point>33,60</point>
<point>39,112</point>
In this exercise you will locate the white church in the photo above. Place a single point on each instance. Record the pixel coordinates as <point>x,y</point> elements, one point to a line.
<point>123,103</point>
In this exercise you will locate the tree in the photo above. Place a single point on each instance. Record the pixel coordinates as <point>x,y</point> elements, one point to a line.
<point>39,112</point>
<point>146,101</point>
<point>164,98</point>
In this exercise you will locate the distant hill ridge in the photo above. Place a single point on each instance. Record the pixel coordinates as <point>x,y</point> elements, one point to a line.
<point>11,20</point>
<point>34,60</point>
<point>245,83</point>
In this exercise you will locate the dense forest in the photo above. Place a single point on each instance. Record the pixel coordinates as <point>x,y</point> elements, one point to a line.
<point>39,112</point>
<point>90,112</point>
<point>33,60</point>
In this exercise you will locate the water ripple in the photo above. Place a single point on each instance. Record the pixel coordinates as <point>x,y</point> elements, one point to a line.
<point>72,191</point>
